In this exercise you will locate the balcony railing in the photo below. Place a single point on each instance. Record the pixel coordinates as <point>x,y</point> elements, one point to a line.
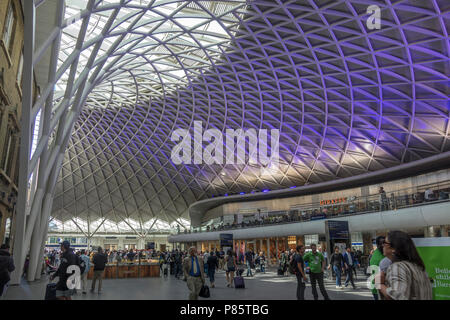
<point>392,200</point>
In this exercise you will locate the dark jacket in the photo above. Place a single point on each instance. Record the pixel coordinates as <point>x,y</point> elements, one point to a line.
<point>99,261</point>
<point>68,258</point>
<point>131,256</point>
<point>212,262</point>
<point>6,266</point>
<point>337,260</point>
<point>354,259</point>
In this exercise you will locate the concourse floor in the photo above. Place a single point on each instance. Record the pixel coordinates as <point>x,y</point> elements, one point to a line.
<point>268,286</point>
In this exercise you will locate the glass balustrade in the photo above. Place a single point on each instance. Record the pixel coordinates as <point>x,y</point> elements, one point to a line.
<point>391,200</point>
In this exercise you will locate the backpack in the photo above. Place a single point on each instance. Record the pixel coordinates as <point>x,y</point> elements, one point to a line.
<point>81,264</point>
<point>230,262</point>
<point>293,268</point>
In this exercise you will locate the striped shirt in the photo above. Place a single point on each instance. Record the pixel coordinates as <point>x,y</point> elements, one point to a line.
<point>407,281</point>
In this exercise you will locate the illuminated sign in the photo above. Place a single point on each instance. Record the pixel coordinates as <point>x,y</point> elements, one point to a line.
<point>226,239</point>
<point>333,201</point>
<point>338,229</point>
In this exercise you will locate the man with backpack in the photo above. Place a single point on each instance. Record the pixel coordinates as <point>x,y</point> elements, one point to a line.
<point>87,264</point>
<point>316,263</point>
<point>68,258</point>
<point>249,261</point>
<point>99,262</point>
<point>297,267</point>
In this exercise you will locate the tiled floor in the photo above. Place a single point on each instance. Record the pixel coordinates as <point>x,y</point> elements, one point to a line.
<point>261,286</point>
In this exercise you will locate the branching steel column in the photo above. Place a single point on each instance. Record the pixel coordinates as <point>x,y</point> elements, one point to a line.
<point>38,217</point>
<point>19,249</point>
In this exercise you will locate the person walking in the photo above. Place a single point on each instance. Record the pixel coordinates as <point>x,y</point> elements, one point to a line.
<point>350,262</point>
<point>87,263</point>
<point>249,262</point>
<point>178,264</point>
<point>193,270</point>
<point>406,278</point>
<point>222,259</point>
<point>213,264</point>
<point>316,263</point>
<point>262,262</point>
<point>99,262</point>
<point>374,262</point>
<point>337,262</point>
<point>284,262</point>
<point>298,266</point>
<point>205,260</point>
<point>231,267</point>
<point>68,258</point>
<point>6,267</point>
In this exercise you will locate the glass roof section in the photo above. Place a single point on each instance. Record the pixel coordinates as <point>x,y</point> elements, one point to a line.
<point>158,45</point>
<point>106,226</point>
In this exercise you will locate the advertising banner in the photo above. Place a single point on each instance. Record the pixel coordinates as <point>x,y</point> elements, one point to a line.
<point>435,253</point>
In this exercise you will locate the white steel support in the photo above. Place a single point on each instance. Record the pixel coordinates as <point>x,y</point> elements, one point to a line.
<point>25,142</point>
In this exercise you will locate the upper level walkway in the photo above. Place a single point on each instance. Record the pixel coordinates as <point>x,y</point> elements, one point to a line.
<point>415,216</point>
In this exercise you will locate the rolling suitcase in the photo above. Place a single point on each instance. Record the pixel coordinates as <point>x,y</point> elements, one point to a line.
<point>239,283</point>
<point>50,291</point>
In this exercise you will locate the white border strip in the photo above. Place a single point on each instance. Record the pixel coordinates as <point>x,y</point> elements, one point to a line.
<point>432,242</point>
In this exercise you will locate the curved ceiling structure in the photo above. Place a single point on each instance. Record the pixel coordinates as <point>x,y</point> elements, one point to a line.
<point>346,99</point>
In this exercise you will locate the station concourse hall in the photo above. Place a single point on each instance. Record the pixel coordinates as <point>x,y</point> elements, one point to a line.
<point>225,158</point>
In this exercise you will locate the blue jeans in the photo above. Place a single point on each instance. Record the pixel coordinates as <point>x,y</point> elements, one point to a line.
<point>337,270</point>
<point>262,268</point>
<point>249,269</point>
<point>211,272</point>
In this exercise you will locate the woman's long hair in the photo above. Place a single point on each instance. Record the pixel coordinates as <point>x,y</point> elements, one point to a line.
<point>404,247</point>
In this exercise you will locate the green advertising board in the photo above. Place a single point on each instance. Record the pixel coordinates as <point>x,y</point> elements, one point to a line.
<point>435,253</point>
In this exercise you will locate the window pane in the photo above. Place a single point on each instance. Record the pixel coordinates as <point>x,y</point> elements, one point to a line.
<point>8,27</point>
<point>20,70</point>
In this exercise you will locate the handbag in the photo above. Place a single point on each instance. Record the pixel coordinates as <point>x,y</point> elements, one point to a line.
<point>204,292</point>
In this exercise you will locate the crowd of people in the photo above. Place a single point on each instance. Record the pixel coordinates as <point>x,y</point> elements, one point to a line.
<point>398,272</point>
